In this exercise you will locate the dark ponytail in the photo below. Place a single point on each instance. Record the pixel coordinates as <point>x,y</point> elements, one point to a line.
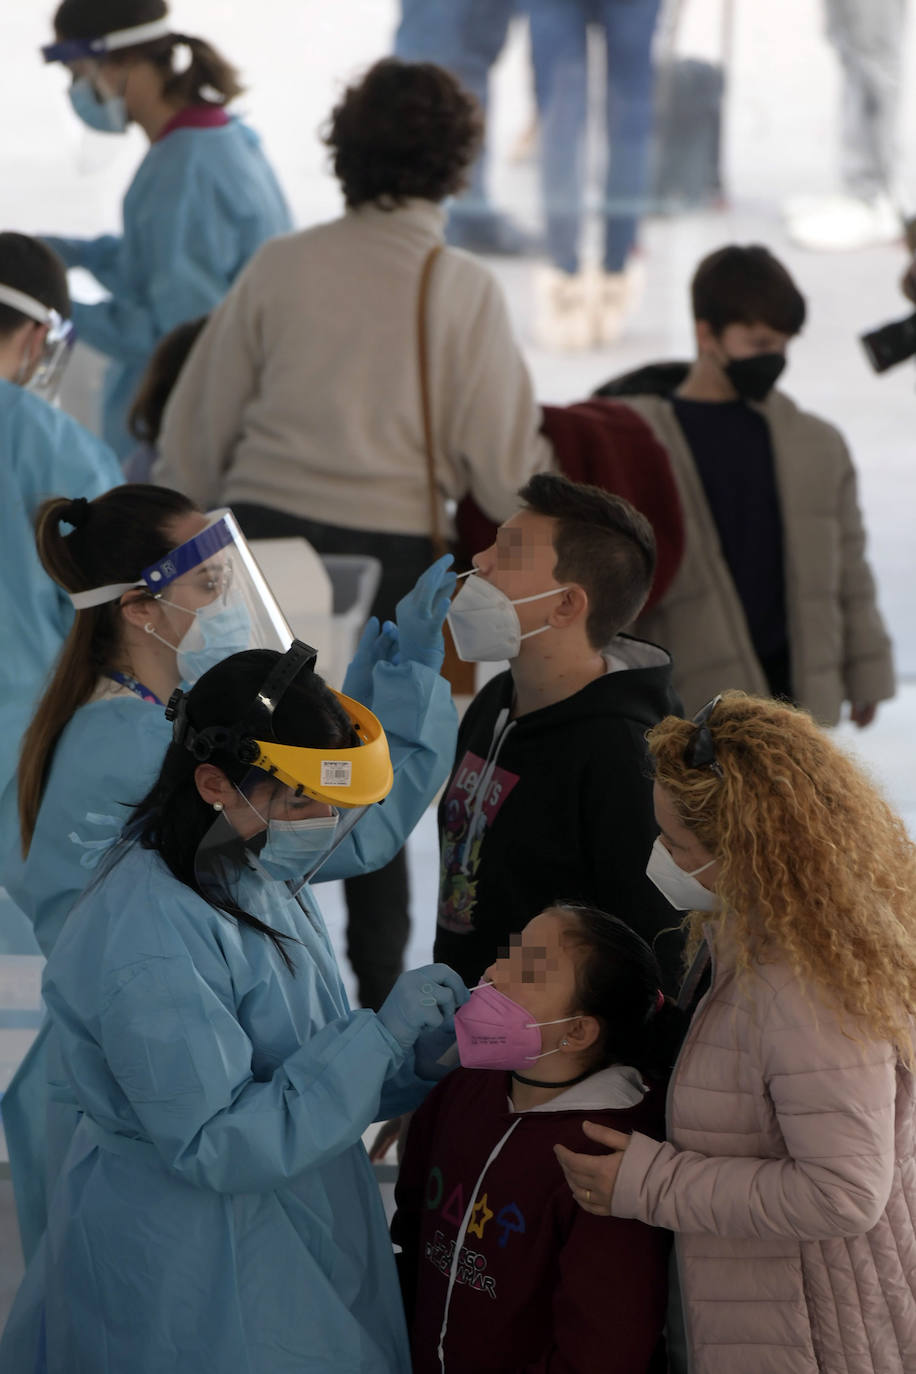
<point>207,79</point>
<point>173,817</point>
<point>618,982</point>
<point>113,539</point>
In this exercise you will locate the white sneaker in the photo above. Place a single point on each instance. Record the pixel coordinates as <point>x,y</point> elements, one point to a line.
<point>844,222</point>
<point>615,298</point>
<point>563,319</point>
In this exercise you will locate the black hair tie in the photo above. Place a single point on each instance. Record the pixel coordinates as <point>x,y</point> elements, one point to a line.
<point>77,513</point>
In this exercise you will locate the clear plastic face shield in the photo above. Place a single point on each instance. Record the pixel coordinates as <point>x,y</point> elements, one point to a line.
<point>44,376</point>
<point>214,595</point>
<point>100,105</point>
<point>295,805</point>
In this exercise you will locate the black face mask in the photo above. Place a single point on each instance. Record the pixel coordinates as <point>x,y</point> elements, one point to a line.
<point>754,378</point>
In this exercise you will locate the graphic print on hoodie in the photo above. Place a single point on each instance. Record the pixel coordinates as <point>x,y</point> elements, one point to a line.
<point>539,1283</point>
<point>555,804</point>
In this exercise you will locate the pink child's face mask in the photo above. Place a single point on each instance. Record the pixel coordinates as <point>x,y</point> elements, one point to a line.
<point>496,1033</point>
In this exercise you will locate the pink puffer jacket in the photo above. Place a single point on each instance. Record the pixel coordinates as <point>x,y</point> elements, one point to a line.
<point>791,1182</point>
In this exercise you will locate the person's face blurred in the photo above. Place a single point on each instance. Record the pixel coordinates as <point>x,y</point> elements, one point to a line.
<point>520,562</point>
<point>538,971</point>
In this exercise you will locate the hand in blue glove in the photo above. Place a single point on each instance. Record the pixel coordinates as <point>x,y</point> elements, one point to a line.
<point>375,646</point>
<point>421,612</point>
<point>430,1048</point>
<point>422,999</point>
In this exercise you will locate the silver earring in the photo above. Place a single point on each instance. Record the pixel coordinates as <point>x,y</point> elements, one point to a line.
<point>217,806</point>
<point>564,1042</point>
<point>150,628</point>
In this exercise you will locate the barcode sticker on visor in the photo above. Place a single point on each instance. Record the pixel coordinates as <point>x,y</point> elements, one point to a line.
<point>335,773</point>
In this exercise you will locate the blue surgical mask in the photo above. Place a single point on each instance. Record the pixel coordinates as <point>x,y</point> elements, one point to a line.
<point>292,848</point>
<point>218,631</point>
<point>107,115</point>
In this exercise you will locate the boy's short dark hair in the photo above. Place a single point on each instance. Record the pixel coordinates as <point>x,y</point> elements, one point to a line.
<point>408,129</point>
<point>748,285</point>
<point>29,266</point>
<point>603,544</point>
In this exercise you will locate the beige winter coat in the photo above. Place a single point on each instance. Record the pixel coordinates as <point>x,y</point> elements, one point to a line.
<point>839,648</point>
<point>791,1184</point>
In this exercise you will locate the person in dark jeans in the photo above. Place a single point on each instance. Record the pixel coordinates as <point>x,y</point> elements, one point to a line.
<point>378,904</point>
<point>466,37</point>
<point>577,309</point>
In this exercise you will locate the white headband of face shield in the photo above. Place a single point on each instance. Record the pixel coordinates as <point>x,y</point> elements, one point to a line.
<point>98,596</point>
<point>140,33</point>
<point>27,305</point>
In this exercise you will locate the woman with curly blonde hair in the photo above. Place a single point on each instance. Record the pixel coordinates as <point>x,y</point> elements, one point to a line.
<point>790,1176</point>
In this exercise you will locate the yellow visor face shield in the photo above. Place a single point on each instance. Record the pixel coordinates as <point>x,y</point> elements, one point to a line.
<point>341,777</point>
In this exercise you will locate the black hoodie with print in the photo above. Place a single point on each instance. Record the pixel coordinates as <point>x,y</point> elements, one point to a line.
<point>555,805</point>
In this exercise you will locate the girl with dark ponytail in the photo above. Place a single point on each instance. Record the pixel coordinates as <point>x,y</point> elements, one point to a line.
<point>569,1026</point>
<point>202,202</point>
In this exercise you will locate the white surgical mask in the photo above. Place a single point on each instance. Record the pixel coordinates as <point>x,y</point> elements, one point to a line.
<point>680,887</point>
<point>484,623</point>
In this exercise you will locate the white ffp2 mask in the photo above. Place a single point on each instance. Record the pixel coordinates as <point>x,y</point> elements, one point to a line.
<point>484,623</point>
<point>680,887</point>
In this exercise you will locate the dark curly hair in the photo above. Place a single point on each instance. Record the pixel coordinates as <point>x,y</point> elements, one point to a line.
<point>407,129</point>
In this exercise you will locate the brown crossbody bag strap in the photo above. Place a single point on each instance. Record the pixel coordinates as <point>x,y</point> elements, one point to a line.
<point>435,523</point>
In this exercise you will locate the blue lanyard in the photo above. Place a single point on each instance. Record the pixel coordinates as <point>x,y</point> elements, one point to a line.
<point>134,686</point>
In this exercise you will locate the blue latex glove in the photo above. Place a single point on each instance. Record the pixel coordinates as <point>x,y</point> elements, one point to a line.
<point>422,999</point>
<point>431,1046</point>
<point>421,612</point>
<point>375,646</point>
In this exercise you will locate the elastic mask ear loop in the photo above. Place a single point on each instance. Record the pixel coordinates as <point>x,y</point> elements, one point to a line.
<point>559,1021</point>
<point>521,601</point>
<point>151,630</point>
<point>264,821</point>
<point>25,366</point>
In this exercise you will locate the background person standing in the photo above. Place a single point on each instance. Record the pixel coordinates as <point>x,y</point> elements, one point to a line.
<point>868,38</point>
<point>202,201</point>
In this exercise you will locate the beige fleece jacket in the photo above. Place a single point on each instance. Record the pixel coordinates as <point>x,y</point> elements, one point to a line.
<point>839,647</point>
<point>302,393</point>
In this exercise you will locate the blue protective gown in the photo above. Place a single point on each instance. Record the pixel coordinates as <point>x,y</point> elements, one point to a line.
<point>202,202</point>
<point>43,453</point>
<point>114,746</point>
<point>216,1210</point>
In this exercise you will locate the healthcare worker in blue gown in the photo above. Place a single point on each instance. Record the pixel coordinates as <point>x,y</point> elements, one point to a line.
<point>163,593</point>
<point>41,451</point>
<point>202,201</point>
<point>217,1210</point>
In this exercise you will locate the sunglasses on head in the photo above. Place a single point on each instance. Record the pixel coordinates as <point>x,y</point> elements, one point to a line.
<point>701,751</point>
